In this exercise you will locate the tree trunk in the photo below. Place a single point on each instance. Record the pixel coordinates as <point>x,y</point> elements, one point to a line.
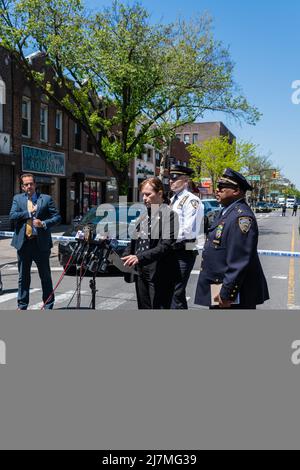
<point>123,182</point>
<point>163,161</point>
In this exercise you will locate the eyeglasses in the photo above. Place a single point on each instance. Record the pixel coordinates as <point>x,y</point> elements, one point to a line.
<point>27,184</point>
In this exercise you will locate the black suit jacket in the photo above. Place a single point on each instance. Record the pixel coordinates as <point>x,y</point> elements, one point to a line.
<point>159,262</point>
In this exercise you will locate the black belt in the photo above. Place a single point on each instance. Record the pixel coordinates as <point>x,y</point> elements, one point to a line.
<point>182,244</point>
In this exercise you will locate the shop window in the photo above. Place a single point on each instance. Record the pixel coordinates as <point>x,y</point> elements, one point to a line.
<point>26,117</point>
<point>91,195</point>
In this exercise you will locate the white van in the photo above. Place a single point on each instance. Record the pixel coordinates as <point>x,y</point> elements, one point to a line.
<point>290,202</point>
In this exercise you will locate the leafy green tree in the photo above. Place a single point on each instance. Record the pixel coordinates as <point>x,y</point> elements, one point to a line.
<point>211,157</point>
<point>118,75</point>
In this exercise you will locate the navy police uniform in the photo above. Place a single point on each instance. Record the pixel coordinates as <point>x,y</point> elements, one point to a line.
<point>230,256</point>
<point>190,213</point>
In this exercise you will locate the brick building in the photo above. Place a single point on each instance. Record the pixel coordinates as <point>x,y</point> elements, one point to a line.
<point>41,139</point>
<point>7,160</point>
<point>193,133</point>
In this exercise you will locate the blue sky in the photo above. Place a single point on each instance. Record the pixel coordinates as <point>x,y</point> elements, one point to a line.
<point>264,43</point>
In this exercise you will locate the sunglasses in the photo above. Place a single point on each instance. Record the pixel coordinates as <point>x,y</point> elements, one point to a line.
<point>220,187</point>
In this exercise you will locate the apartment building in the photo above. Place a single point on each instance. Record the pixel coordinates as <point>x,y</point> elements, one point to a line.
<point>37,137</point>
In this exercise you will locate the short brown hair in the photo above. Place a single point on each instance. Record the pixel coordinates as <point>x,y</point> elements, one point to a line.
<point>157,185</point>
<point>154,182</point>
<point>27,175</point>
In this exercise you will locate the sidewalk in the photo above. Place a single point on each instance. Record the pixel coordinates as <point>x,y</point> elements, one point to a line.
<point>8,253</point>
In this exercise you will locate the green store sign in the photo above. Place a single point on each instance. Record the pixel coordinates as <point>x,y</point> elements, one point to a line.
<point>35,160</point>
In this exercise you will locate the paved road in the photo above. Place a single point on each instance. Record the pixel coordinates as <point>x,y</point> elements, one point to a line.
<point>283,275</point>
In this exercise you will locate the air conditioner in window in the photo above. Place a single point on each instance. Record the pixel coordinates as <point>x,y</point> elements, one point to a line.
<point>4,143</point>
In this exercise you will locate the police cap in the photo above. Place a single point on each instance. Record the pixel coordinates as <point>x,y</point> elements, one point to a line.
<point>179,170</point>
<point>234,178</point>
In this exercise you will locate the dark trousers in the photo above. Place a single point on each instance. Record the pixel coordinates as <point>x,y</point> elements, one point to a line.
<point>28,253</point>
<point>186,260</point>
<point>294,212</point>
<point>153,295</point>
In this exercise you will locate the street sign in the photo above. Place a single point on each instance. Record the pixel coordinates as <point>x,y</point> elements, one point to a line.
<point>253,178</point>
<point>206,182</point>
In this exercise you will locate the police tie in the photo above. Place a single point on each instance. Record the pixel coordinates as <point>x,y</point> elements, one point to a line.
<point>30,207</point>
<point>174,200</point>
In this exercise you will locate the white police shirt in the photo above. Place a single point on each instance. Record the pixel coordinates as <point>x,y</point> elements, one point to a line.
<point>190,212</point>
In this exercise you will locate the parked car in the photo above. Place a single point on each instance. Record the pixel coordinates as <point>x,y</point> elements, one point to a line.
<point>275,205</point>
<point>115,221</point>
<point>211,209</point>
<point>262,207</point>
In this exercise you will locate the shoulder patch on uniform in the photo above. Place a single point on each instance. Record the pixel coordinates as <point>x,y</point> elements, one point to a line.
<point>245,224</point>
<point>183,201</point>
<point>195,203</point>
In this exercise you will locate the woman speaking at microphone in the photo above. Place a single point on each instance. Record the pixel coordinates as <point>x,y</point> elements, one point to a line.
<point>151,249</point>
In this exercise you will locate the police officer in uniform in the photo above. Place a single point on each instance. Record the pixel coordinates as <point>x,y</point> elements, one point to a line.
<point>190,213</point>
<point>231,275</point>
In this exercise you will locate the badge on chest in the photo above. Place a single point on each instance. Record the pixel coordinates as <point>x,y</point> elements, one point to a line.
<point>218,234</point>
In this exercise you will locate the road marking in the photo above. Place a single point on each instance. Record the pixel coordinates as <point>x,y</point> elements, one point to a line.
<point>13,295</point>
<point>291,284</point>
<point>58,300</point>
<point>110,304</point>
<point>35,270</point>
<point>124,295</point>
<point>279,277</point>
<point>115,302</point>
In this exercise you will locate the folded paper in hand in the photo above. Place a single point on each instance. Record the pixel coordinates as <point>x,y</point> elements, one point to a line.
<point>215,290</point>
